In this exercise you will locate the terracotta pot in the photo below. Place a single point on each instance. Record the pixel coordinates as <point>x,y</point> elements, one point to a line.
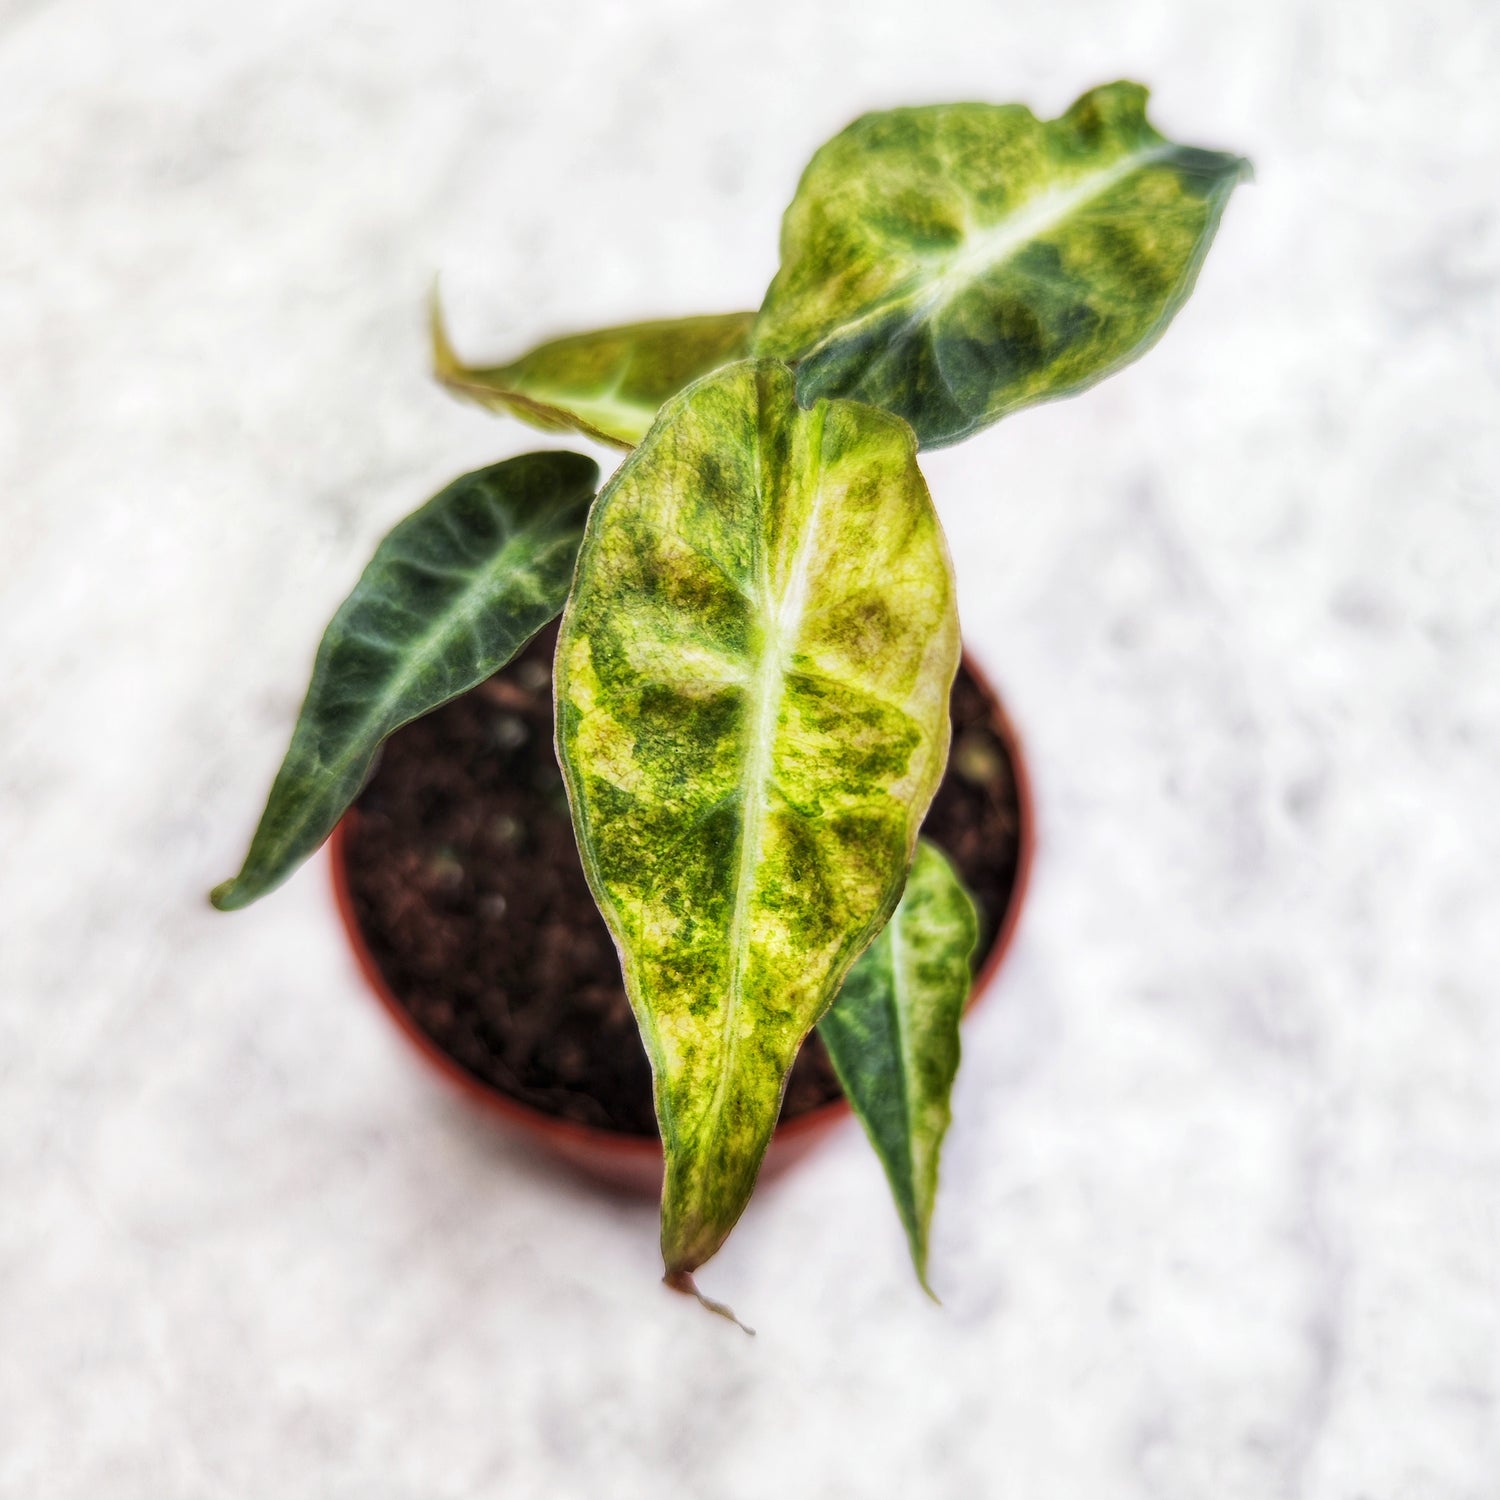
<point>634,1163</point>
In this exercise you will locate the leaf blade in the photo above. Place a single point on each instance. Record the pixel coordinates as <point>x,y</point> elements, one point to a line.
<point>608,384</point>
<point>451,594</point>
<point>892,1034</point>
<point>750,727</point>
<point>954,263</point>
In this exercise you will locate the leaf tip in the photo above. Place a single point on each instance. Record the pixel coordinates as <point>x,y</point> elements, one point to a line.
<point>445,361</point>
<point>227,896</point>
<point>916,1242</point>
<point>682,1281</point>
<point>1123,102</point>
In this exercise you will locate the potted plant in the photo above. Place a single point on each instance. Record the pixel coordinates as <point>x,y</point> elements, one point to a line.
<point>759,631</point>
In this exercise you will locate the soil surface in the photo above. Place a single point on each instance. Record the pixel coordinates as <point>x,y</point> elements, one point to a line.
<point>467,885</point>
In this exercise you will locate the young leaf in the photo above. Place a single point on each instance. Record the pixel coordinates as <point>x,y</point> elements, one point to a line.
<point>449,597</point>
<point>893,1035</point>
<point>608,385</point>
<point>956,262</point>
<point>752,689</point>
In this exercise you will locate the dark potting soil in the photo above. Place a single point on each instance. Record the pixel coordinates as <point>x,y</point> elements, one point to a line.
<point>467,885</point>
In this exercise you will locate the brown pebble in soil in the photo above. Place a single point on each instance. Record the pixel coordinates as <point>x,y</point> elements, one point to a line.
<point>467,886</point>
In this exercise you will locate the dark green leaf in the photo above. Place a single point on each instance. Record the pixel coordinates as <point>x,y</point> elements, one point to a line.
<point>893,1035</point>
<point>449,597</point>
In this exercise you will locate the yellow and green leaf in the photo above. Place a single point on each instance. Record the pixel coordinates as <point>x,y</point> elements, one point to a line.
<point>752,686</point>
<point>608,385</point>
<point>955,262</point>
<point>449,597</point>
<point>893,1035</point>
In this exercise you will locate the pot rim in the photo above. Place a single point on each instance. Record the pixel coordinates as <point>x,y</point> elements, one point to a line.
<point>646,1149</point>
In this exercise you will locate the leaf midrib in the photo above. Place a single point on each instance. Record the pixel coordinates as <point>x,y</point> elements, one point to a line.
<point>995,245</point>
<point>604,408</point>
<point>769,689</point>
<point>467,606</point>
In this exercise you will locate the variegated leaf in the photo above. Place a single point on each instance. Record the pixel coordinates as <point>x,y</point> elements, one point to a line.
<point>956,262</point>
<point>893,1035</point>
<point>449,597</point>
<point>752,687</point>
<point>608,385</point>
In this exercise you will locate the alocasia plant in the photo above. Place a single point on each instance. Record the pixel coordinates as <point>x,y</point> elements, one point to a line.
<point>759,627</point>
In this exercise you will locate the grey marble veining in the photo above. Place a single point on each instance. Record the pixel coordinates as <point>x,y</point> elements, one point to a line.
<point>1221,1204</point>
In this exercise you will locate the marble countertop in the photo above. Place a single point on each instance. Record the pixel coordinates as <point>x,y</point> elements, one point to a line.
<point>1221,1203</point>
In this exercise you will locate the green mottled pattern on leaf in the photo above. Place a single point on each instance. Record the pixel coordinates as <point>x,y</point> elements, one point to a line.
<point>956,262</point>
<point>608,385</point>
<point>752,689</point>
<point>449,597</point>
<point>893,1035</point>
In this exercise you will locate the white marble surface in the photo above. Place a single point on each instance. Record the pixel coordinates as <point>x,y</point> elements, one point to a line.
<point>1221,1212</point>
